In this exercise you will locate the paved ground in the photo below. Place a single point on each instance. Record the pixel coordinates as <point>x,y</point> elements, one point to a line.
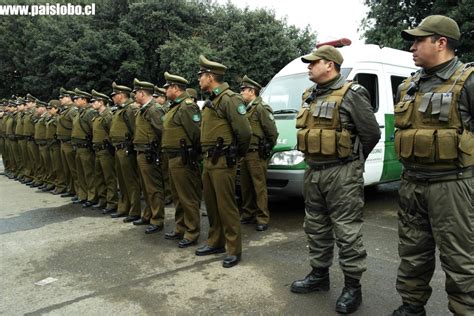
<point>106,267</point>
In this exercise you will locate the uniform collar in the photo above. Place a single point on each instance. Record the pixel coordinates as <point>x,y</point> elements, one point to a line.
<point>253,102</point>
<point>180,98</point>
<point>444,72</point>
<point>219,89</point>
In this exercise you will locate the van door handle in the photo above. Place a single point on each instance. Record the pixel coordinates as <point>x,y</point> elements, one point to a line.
<point>382,126</point>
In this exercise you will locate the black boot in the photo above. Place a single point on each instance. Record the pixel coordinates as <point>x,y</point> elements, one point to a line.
<point>317,280</point>
<point>351,296</point>
<point>409,310</point>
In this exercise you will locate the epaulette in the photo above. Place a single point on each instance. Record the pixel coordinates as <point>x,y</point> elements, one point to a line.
<point>355,87</point>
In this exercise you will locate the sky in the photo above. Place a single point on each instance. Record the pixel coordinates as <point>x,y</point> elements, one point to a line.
<point>330,19</point>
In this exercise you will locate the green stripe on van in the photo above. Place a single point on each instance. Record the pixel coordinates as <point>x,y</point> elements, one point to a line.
<point>391,166</point>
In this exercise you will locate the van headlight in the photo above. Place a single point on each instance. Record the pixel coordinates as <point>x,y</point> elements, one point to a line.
<point>286,158</point>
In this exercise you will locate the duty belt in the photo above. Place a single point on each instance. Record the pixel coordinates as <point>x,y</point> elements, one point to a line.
<point>210,152</point>
<point>98,147</point>
<point>42,142</point>
<point>18,137</point>
<point>121,146</point>
<point>81,145</point>
<point>438,176</point>
<point>323,166</point>
<point>172,153</point>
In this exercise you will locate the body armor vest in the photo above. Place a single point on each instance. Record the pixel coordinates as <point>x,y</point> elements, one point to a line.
<point>214,124</point>
<point>257,131</point>
<point>321,135</point>
<point>144,132</point>
<point>119,129</point>
<point>80,128</point>
<point>40,129</point>
<point>429,127</point>
<point>100,131</point>
<point>28,126</point>
<point>51,128</point>
<point>64,126</point>
<point>19,124</point>
<point>172,132</point>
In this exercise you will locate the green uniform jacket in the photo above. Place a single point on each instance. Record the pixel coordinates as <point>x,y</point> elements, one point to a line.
<point>148,123</point>
<point>260,116</point>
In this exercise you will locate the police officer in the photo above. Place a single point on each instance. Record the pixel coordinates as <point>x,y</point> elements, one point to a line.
<point>147,143</point>
<point>10,139</point>
<point>81,138</point>
<point>225,137</point>
<point>22,142</point>
<point>192,94</point>
<point>29,148</point>
<point>54,147</point>
<point>434,141</point>
<point>106,184</point>
<point>253,167</point>
<point>44,162</point>
<point>181,144</point>
<point>63,132</point>
<point>337,131</point>
<point>121,135</point>
<point>2,132</point>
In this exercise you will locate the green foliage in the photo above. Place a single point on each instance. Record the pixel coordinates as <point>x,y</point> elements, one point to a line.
<point>387,18</point>
<point>142,39</point>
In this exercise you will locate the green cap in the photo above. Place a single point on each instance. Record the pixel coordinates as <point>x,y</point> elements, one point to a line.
<point>208,66</point>
<point>41,103</point>
<point>326,52</point>
<point>30,98</point>
<point>81,94</point>
<point>54,104</point>
<point>100,96</point>
<point>174,79</point>
<point>434,24</point>
<point>249,83</point>
<point>120,89</point>
<point>20,101</point>
<point>63,93</point>
<point>192,93</point>
<point>159,92</point>
<point>142,85</point>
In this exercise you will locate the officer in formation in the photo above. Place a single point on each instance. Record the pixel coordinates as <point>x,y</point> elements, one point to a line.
<point>225,138</point>
<point>56,166</point>
<point>181,132</point>
<point>337,130</point>
<point>253,166</point>
<point>434,141</point>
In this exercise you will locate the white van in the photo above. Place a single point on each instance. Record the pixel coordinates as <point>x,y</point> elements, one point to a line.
<point>380,70</point>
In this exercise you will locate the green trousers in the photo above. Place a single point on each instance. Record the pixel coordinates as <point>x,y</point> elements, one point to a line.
<point>33,152</point>
<point>219,195</point>
<point>186,189</point>
<point>151,178</point>
<point>106,184</point>
<point>46,168</point>
<point>58,168</point>
<point>253,184</point>
<point>437,214</point>
<point>68,157</point>
<point>129,183</point>
<point>85,161</point>
<point>334,199</point>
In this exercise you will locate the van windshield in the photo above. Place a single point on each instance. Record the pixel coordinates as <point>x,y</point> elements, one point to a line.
<point>283,94</point>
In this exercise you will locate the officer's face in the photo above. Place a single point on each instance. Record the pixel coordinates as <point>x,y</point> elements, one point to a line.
<point>247,94</point>
<point>170,92</point>
<point>96,105</point>
<point>425,51</point>
<point>318,71</point>
<point>204,81</point>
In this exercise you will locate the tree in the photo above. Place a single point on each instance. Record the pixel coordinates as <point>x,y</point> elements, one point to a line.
<point>387,18</point>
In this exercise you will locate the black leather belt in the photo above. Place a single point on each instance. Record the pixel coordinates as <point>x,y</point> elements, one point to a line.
<point>98,147</point>
<point>121,146</point>
<point>81,145</point>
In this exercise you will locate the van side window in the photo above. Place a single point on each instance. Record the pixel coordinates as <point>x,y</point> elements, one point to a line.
<point>396,81</point>
<point>371,83</point>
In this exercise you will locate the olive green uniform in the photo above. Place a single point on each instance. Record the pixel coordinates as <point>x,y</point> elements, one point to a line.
<point>253,167</point>
<point>435,142</point>
<point>146,140</point>
<point>2,138</point>
<point>45,169</point>
<point>10,142</point>
<point>181,144</point>
<point>337,131</point>
<point>106,185</point>
<point>81,138</point>
<point>121,135</point>
<point>22,148</point>
<point>57,168</point>
<point>16,153</point>
<point>31,148</point>
<point>68,155</point>
<point>223,117</point>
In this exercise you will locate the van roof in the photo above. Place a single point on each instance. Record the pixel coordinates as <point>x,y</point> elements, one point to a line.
<point>362,53</point>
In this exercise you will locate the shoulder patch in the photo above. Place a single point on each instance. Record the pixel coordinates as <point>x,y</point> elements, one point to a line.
<point>355,87</point>
<point>241,109</point>
<point>196,117</point>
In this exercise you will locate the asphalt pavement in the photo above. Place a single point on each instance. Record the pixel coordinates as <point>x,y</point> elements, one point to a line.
<point>102,266</point>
